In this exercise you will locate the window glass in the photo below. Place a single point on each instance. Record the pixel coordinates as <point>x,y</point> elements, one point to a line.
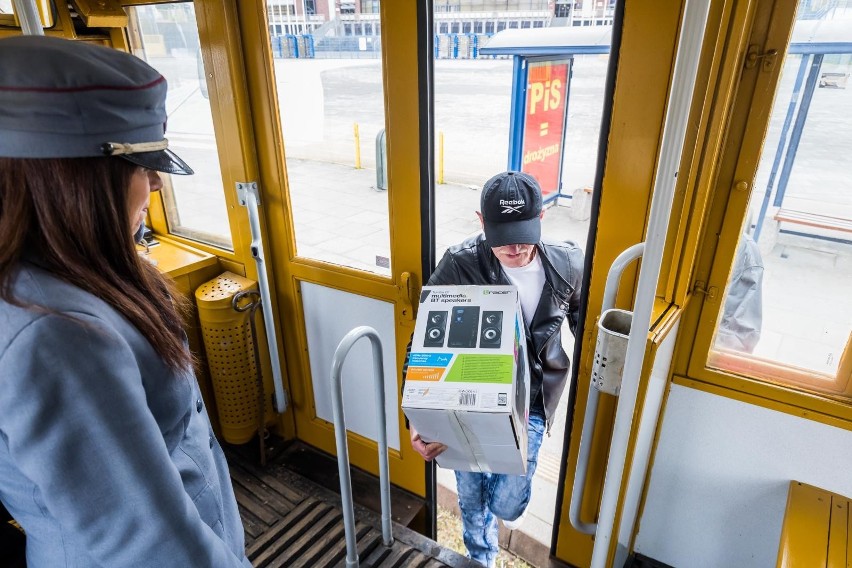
<point>787,310</point>
<point>166,36</point>
<point>332,115</point>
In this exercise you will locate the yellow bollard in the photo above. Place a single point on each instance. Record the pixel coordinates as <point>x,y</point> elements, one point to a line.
<point>440,157</point>
<point>357,148</point>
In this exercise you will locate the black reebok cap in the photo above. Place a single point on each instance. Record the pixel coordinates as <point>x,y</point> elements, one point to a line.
<point>511,209</point>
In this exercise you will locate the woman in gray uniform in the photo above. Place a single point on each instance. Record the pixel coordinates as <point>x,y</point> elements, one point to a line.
<point>107,457</point>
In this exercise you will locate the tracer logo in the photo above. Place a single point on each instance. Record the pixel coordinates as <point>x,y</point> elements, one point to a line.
<point>487,292</point>
<point>512,205</point>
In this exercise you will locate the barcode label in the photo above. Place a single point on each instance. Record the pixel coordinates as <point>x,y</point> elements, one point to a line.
<point>502,399</point>
<point>467,398</point>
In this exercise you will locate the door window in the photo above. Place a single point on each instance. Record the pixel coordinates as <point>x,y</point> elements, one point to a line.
<point>332,113</point>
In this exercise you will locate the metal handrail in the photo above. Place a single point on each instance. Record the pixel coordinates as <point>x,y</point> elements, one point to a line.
<point>342,447</point>
<point>671,149</point>
<point>248,196</point>
<point>612,280</point>
<point>28,16</point>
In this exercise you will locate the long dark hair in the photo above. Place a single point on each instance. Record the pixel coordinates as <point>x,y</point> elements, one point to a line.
<point>71,215</point>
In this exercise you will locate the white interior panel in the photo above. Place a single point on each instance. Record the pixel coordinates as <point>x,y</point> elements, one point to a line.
<point>329,315</point>
<point>644,440</point>
<point>719,481</point>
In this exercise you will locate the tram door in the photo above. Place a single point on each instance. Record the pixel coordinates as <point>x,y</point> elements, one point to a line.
<point>336,124</point>
<point>325,121</point>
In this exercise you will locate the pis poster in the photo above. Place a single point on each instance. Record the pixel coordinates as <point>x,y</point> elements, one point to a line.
<point>544,121</point>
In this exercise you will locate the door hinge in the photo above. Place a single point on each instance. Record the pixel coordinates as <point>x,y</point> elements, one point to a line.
<point>701,288</point>
<point>755,55</point>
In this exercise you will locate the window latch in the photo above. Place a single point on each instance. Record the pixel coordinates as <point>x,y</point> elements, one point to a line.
<point>701,288</point>
<point>754,54</point>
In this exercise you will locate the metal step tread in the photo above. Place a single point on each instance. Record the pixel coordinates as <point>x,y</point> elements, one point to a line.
<point>291,521</point>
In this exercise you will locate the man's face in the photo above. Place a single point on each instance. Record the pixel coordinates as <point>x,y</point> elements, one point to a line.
<point>514,256</point>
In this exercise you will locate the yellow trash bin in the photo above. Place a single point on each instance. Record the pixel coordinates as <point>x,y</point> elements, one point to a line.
<point>228,342</point>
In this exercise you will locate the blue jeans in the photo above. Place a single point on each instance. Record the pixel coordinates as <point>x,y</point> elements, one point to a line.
<point>485,497</point>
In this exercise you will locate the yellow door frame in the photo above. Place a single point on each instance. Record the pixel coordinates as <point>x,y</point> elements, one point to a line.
<point>402,107</point>
<point>645,61</point>
<point>647,55</point>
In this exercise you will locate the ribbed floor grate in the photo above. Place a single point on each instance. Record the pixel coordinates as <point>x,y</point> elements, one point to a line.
<point>289,521</point>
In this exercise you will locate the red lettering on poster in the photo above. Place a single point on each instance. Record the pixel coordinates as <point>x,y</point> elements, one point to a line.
<point>544,122</point>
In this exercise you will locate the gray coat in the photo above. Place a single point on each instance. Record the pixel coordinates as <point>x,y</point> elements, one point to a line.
<point>742,316</point>
<point>107,457</point>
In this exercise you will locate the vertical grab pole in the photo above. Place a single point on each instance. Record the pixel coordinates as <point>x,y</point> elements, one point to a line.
<point>342,447</point>
<point>612,279</point>
<point>249,197</point>
<point>28,15</point>
<point>674,131</point>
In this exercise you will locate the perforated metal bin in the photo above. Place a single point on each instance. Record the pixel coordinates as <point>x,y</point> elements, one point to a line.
<point>230,355</point>
<point>611,350</point>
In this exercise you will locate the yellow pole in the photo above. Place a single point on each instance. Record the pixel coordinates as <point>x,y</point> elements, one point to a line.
<point>440,157</point>
<point>357,147</point>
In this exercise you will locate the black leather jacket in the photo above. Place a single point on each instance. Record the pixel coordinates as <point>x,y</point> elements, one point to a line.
<point>472,262</point>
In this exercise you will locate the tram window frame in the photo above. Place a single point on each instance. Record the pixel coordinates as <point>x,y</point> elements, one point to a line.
<point>701,259</point>
<point>162,212</point>
<point>760,381</point>
<point>762,367</point>
<point>47,14</point>
<point>725,360</point>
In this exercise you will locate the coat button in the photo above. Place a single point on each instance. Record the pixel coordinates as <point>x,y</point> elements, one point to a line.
<point>198,405</point>
<point>211,441</point>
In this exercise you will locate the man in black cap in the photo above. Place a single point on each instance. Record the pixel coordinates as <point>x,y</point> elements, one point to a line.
<point>548,277</point>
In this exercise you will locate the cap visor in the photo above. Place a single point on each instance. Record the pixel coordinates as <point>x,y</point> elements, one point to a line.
<point>162,161</point>
<point>526,232</point>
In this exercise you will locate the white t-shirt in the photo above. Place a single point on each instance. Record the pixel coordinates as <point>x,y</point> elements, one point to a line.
<point>530,282</point>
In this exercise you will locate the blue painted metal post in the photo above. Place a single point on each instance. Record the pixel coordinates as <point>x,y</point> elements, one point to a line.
<point>782,142</point>
<point>516,113</point>
<point>796,136</point>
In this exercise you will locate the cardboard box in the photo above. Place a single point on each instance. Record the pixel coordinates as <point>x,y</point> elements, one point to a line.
<point>467,384</point>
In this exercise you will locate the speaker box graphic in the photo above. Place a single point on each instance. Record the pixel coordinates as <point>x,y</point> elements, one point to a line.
<point>436,327</point>
<point>467,379</point>
<point>464,323</point>
<point>491,333</point>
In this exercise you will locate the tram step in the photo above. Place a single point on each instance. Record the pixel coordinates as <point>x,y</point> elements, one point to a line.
<point>291,520</point>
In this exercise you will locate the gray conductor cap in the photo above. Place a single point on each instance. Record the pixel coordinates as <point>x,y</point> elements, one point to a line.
<point>69,99</point>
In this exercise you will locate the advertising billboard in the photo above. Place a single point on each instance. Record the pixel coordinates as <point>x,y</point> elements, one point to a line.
<point>545,113</point>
